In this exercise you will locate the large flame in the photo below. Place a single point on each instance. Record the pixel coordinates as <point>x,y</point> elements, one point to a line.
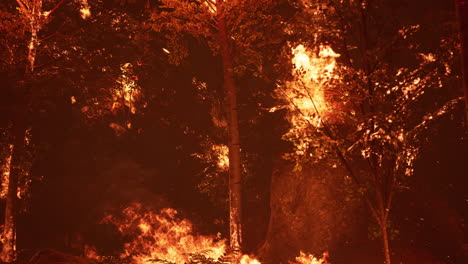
<point>162,236</point>
<point>165,238</point>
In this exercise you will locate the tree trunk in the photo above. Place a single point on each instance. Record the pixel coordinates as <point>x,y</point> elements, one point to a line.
<point>9,246</point>
<point>462,12</point>
<point>235,204</point>
<point>386,247</point>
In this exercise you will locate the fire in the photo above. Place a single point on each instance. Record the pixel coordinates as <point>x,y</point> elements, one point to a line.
<point>85,11</point>
<point>221,153</point>
<point>306,93</point>
<point>216,154</point>
<point>305,258</point>
<point>246,259</point>
<point>162,236</point>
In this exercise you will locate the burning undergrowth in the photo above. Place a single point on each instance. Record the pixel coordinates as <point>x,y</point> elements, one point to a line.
<point>162,236</point>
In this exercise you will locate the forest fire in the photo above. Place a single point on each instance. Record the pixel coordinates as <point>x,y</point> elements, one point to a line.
<point>233,131</point>
<point>163,237</point>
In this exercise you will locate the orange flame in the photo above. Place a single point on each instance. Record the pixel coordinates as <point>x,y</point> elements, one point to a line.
<point>166,238</point>
<point>306,94</point>
<point>163,236</point>
<point>305,258</point>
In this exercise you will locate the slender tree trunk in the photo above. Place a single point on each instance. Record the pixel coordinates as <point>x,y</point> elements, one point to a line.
<point>386,248</point>
<point>235,203</point>
<point>462,12</point>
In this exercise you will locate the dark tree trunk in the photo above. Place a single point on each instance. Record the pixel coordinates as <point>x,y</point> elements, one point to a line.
<point>235,202</point>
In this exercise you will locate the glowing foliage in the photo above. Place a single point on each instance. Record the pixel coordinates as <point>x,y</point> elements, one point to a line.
<point>5,170</point>
<point>128,91</point>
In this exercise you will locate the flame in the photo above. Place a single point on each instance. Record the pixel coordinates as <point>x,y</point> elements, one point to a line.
<point>246,259</point>
<point>221,153</point>
<point>85,11</point>
<point>162,236</point>
<point>306,93</point>
<point>217,154</point>
<point>305,258</point>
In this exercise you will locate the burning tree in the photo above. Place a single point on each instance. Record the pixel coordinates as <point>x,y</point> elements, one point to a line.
<point>362,109</point>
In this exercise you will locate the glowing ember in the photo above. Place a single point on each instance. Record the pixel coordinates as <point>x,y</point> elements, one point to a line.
<point>91,252</point>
